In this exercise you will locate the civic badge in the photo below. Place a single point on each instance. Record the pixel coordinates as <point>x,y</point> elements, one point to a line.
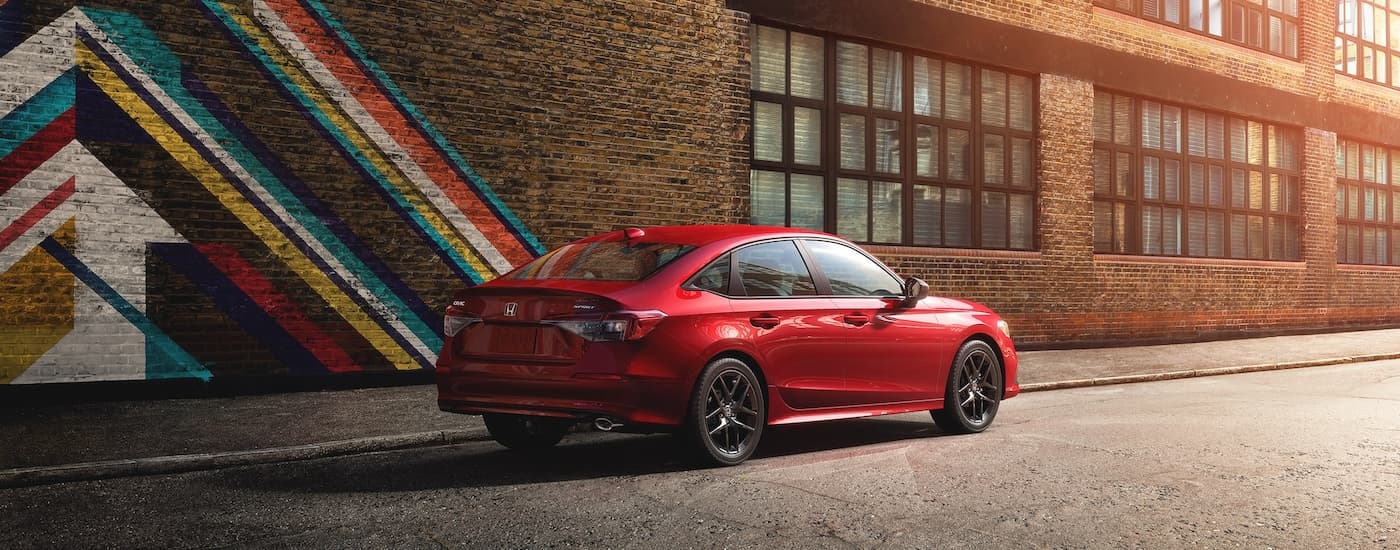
<point>510,309</point>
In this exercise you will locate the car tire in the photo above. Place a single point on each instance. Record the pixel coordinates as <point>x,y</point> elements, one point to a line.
<point>727,413</point>
<point>974,390</point>
<point>526,433</point>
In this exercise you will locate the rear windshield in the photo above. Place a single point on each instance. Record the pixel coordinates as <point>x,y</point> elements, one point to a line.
<point>603,261</point>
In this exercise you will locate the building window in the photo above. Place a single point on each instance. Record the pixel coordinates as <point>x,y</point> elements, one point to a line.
<point>882,145</point>
<point>1265,25</point>
<point>1367,44</point>
<point>1176,181</point>
<point>1368,204</point>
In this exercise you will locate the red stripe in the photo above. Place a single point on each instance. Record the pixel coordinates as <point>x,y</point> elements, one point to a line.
<point>329,51</point>
<point>278,306</point>
<point>37,150</point>
<point>34,215</point>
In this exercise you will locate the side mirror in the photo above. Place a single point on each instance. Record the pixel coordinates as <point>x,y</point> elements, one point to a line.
<point>915,289</point>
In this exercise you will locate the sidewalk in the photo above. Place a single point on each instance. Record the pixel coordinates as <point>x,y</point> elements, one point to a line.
<point>98,440</point>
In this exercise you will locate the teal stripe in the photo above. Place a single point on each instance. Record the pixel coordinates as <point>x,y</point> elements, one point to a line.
<point>427,127</point>
<point>339,136</point>
<point>37,113</point>
<point>172,359</point>
<point>134,38</point>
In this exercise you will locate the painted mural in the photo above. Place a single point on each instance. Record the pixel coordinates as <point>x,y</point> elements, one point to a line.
<point>152,225</point>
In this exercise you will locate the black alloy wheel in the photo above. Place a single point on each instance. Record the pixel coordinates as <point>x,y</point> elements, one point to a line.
<point>726,412</point>
<point>526,433</point>
<point>974,390</point>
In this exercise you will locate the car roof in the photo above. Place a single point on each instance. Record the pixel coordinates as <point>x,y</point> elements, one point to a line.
<point>700,235</point>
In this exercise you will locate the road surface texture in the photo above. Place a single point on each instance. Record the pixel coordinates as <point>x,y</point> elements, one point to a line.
<point>1306,458</point>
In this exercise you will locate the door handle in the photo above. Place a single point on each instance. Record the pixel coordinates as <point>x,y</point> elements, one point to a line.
<point>764,321</point>
<point>856,319</point>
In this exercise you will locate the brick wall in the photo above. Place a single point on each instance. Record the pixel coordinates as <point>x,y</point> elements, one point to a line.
<point>293,187</point>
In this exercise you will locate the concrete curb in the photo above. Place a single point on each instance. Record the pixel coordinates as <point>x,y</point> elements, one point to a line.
<point>89,471</point>
<point>1197,373</point>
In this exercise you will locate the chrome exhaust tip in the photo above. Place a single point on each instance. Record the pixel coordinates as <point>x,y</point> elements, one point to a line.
<point>605,424</point>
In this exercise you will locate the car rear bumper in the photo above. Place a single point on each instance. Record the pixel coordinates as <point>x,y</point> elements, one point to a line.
<point>638,404</point>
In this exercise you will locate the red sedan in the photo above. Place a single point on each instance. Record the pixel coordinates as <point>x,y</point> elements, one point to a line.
<point>714,332</point>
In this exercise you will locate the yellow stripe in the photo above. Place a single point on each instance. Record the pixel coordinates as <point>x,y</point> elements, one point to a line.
<point>231,199</point>
<point>412,195</point>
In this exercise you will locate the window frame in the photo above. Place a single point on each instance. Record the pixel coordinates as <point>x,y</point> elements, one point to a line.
<point>1352,228</point>
<point>972,189</point>
<point>1133,206</point>
<point>1232,16</point>
<point>1385,67</point>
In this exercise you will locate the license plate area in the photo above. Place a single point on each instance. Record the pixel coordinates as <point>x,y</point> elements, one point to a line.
<point>502,340</point>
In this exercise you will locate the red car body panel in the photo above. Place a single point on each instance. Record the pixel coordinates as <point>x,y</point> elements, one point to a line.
<point>821,357</point>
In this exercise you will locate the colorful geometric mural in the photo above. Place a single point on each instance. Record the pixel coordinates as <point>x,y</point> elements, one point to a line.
<point>148,231</point>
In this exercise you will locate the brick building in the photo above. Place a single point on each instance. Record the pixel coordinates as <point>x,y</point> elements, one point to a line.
<point>205,189</point>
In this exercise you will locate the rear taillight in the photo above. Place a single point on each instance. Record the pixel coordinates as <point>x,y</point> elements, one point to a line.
<point>458,318</point>
<point>613,327</point>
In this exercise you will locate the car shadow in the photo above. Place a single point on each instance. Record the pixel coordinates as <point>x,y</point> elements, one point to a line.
<point>587,455</point>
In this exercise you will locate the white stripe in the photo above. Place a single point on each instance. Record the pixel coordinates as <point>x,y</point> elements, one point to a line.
<point>371,128</point>
<point>223,157</point>
<point>36,62</point>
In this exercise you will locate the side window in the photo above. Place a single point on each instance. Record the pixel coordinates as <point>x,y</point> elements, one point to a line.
<point>773,269</point>
<point>852,273</point>
<point>714,278</point>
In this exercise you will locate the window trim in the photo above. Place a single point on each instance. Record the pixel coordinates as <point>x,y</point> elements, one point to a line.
<point>1137,203</point>
<point>907,179</point>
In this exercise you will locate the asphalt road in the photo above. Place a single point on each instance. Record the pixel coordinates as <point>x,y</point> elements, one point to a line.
<point>1305,458</point>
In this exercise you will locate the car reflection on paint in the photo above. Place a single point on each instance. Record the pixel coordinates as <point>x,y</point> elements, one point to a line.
<point>714,333</point>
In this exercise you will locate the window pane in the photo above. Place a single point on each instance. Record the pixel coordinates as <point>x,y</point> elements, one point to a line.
<point>852,273</point>
<point>852,142</point>
<point>887,207</point>
<point>928,86</point>
<point>1123,175</point>
<point>773,269</point>
<point>1256,143</point>
<point>852,72</point>
<point>1151,230</point>
<point>993,159</point>
<point>1215,234</point>
<point>1196,229</point>
<point>1171,180</point>
<point>852,209</point>
<point>807,136</point>
<point>1103,227</point>
<point>1238,237</point>
<point>1151,178</point>
<point>1196,130</point>
<point>1238,140</point>
<point>767,131</point>
<point>1021,109</point>
<point>887,140</point>
<point>1103,173</point>
<point>957,217</point>
<point>808,65</point>
<point>888,75</point>
<point>994,218</point>
<point>1021,162</point>
<point>1151,125</point>
<point>928,215</point>
<point>1215,18</point>
<point>807,202</point>
<point>1198,184</point>
<point>1103,116</point>
<point>1239,188</point>
<point>1171,231</point>
<point>769,59</point>
<point>1197,18</point>
<point>994,96</point>
<point>1217,186</point>
<point>957,91</point>
<point>767,198</point>
<point>1256,190</point>
<point>1215,136</point>
<point>1171,128</point>
<point>926,157</point>
<point>1123,120</point>
<point>1021,230</point>
<point>959,157</point>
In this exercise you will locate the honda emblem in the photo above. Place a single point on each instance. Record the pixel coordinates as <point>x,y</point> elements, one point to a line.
<point>510,309</point>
